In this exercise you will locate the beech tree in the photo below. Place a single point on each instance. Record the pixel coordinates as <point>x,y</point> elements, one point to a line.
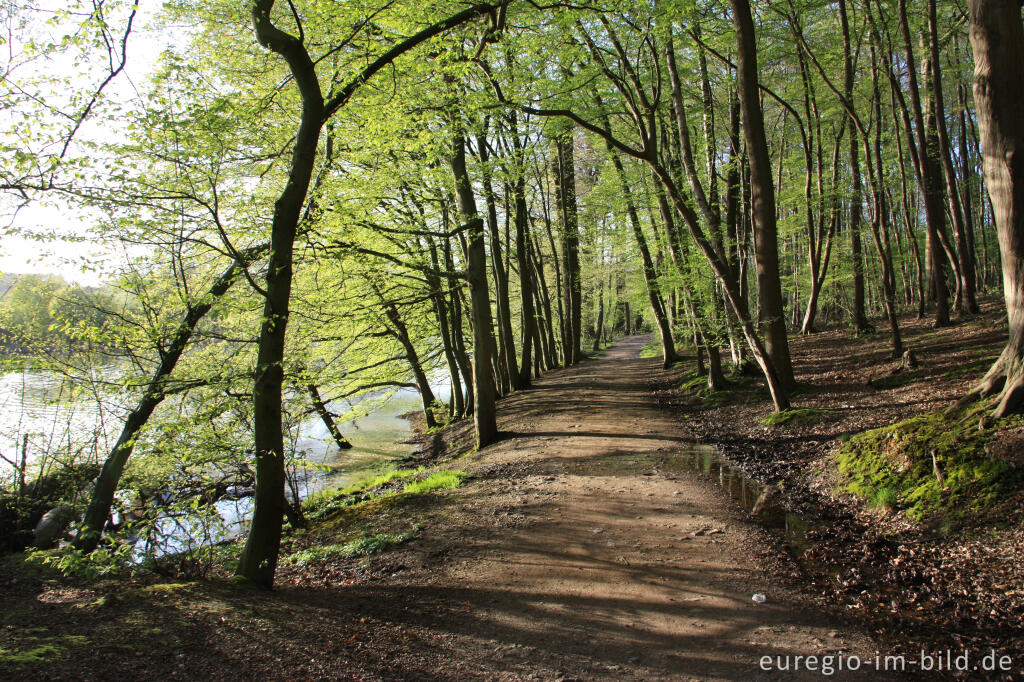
<point>997,39</point>
<point>259,557</point>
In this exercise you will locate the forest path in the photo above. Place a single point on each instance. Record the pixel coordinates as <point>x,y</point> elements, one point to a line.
<point>575,555</point>
<point>574,551</point>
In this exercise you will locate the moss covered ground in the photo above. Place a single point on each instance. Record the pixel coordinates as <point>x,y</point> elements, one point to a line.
<point>932,467</point>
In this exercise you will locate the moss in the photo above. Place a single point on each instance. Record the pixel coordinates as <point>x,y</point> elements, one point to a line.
<point>697,385</point>
<point>24,565</point>
<point>798,414</point>
<point>976,366</point>
<point>897,465</point>
<point>693,382</point>
<point>42,649</point>
<point>163,588</point>
<point>364,545</point>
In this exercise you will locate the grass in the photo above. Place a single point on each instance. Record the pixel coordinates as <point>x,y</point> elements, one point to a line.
<point>896,466</point>
<point>438,480</point>
<point>885,498</point>
<point>379,480</point>
<point>652,349</point>
<point>364,545</point>
<point>794,415</point>
<point>387,484</point>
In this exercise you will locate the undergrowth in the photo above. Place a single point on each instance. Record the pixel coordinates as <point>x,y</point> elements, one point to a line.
<point>932,467</point>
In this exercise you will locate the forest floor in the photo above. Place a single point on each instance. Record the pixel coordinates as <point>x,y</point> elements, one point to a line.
<point>574,550</point>
<point>923,585</point>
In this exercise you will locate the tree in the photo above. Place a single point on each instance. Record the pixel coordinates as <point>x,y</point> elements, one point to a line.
<point>766,247</point>
<point>484,416</point>
<point>259,557</point>
<point>154,393</point>
<point>997,40</point>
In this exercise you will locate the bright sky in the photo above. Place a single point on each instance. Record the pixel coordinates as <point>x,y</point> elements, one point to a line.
<point>79,255</point>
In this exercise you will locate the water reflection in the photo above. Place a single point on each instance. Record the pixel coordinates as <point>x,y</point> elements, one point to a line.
<point>40,405</point>
<point>754,497</point>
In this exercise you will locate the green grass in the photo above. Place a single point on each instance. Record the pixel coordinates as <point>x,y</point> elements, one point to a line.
<point>414,482</point>
<point>364,545</point>
<point>652,349</point>
<point>438,479</point>
<point>893,466</point>
<point>885,498</point>
<point>378,480</point>
<point>794,415</point>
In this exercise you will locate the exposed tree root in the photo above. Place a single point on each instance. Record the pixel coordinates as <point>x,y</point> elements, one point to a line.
<point>1003,383</point>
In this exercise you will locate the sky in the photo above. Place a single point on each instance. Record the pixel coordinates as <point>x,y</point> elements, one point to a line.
<point>76,253</point>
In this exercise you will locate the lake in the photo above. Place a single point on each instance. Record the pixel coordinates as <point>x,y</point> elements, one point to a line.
<point>35,404</point>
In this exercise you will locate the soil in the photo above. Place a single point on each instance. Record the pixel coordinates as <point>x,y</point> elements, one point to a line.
<point>571,552</point>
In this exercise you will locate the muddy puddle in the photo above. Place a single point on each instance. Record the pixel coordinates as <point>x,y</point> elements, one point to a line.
<point>761,501</point>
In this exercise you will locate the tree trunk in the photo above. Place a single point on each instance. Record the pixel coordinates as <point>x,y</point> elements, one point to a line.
<point>928,175</point>
<point>599,325</point>
<point>458,407</point>
<point>559,298</point>
<point>565,195</point>
<point>997,39</point>
<point>860,320</point>
<point>110,475</point>
<point>529,318</point>
<point>326,417</point>
<point>968,301</point>
<point>880,217</point>
<point>458,339</point>
<point>506,339</point>
<point>401,333</point>
<point>484,414</point>
<point>547,322</point>
<point>766,248</point>
<point>523,261</point>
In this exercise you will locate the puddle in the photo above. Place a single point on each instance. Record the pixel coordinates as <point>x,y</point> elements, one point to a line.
<point>760,500</point>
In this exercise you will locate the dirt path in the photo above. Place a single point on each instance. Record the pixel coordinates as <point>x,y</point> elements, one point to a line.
<point>577,556</point>
<point>574,552</point>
